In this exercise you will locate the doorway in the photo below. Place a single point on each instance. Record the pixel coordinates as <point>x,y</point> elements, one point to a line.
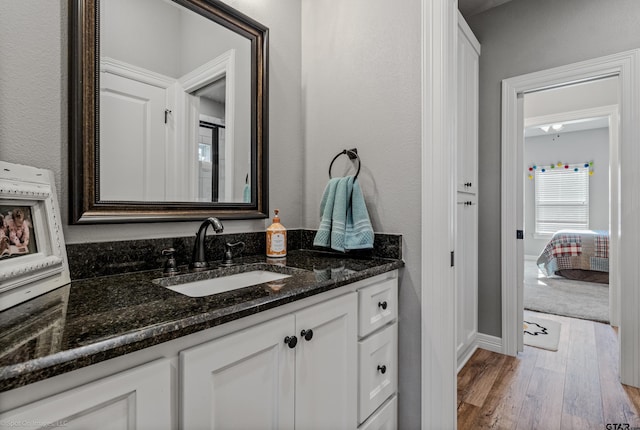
<point>571,126</point>
<point>623,173</point>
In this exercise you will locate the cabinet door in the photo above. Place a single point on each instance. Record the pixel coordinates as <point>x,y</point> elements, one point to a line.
<point>139,398</point>
<point>466,272</point>
<point>242,381</point>
<point>467,111</point>
<point>326,366</point>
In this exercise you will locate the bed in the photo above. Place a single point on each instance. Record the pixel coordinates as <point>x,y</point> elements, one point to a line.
<point>580,255</point>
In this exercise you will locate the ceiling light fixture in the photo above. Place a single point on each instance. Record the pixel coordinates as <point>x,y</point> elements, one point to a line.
<point>557,127</point>
<point>545,128</point>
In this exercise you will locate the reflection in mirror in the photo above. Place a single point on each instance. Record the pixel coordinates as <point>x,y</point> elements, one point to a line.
<point>179,125</point>
<point>151,121</point>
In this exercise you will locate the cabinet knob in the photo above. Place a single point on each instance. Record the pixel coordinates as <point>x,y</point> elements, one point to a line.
<point>307,334</point>
<point>467,184</point>
<point>382,305</point>
<point>291,341</point>
<point>382,369</point>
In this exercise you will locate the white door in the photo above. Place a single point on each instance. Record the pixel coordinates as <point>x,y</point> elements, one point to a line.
<point>243,381</point>
<point>132,139</point>
<point>139,398</point>
<point>326,365</point>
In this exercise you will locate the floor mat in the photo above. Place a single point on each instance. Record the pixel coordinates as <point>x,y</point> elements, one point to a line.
<point>542,333</point>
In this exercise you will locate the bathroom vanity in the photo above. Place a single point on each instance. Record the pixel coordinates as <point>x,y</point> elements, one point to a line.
<point>317,349</point>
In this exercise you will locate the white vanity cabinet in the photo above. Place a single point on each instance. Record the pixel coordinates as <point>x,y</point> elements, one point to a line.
<point>296,371</point>
<point>139,398</point>
<point>340,372</point>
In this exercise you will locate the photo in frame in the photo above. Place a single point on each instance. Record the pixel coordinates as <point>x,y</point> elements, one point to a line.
<point>33,258</point>
<point>16,232</point>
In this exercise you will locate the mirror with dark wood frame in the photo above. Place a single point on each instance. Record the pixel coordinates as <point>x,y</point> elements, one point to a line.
<point>168,112</point>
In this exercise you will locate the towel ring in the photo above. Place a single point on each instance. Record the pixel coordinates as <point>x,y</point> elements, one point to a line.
<point>353,155</point>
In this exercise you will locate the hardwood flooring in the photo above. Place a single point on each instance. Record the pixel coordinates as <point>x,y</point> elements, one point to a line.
<point>576,387</point>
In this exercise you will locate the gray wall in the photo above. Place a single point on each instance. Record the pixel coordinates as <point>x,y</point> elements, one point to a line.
<point>574,147</point>
<point>34,117</point>
<point>520,37</point>
<point>361,88</point>
<point>129,28</point>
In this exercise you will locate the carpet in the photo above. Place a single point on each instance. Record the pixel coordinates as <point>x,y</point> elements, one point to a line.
<point>561,296</point>
<point>541,333</point>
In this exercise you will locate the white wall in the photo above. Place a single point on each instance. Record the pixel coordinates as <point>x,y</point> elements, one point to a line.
<point>575,147</point>
<point>519,37</point>
<point>361,88</point>
<point>34,114</point>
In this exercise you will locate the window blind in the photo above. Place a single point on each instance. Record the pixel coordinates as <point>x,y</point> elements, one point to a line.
<point>562,199</point>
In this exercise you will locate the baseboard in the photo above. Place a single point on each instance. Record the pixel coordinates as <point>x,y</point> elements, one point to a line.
<point>490,343</point>
<point>467,355</point>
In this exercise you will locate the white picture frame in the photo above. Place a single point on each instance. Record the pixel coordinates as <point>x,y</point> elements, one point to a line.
<point>29,271</point>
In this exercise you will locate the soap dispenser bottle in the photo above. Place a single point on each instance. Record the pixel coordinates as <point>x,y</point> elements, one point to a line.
<point>276,238</point>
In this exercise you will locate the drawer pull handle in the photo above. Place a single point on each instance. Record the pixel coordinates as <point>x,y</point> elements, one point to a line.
<point>291,341</point>
<point>382,369</point>
<point>307,334</point>
<point>382,305</point>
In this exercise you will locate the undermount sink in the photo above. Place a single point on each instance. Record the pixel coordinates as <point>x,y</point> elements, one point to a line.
<point>193,285</point>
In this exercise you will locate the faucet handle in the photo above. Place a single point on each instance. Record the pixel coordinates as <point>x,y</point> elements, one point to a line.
<point>170,266</point>
<point>232,250</point>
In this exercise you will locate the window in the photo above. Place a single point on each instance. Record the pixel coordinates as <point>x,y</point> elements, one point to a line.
<point>562,199</point>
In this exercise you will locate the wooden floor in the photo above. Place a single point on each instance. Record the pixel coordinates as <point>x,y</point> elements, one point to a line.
<point>576,387</point>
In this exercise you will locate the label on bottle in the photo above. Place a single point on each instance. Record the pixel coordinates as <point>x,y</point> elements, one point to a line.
<point>277,242</point>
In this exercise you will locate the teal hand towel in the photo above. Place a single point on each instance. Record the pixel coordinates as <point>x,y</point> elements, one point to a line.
<point>344,223</point>
<point>358,232</point>
<point>323,236</point>
<point>246,193</point>
<point>340,209</point>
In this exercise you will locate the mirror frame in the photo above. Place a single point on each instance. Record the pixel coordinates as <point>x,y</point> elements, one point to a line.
<point>84,95</point>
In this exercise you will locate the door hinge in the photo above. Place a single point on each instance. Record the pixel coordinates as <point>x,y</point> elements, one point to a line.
<point>519,234</point>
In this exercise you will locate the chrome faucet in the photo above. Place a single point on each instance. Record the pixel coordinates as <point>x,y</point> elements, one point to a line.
<point>199,258</point>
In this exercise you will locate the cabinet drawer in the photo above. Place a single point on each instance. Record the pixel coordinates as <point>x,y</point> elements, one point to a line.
<point>377,306</point>
<point>378,357</point>
<point>385,418</point>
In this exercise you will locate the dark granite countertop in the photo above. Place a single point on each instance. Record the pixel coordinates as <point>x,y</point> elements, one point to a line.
<point>97,319</point>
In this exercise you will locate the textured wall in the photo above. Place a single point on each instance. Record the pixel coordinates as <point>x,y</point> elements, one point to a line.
<point>520,37</point>
<point>33,108</point>
<point>31,87</point>
<point>361,88</point>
